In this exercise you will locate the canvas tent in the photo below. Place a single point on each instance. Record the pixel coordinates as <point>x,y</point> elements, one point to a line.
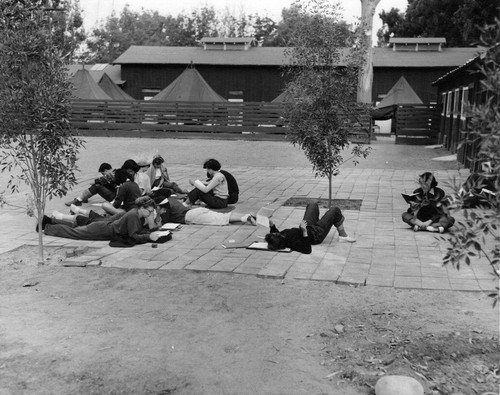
<point>400,93</point>
<point>113,90</point>
<point>282,97</point>
<point>189,86</point>
<point>84,87</point>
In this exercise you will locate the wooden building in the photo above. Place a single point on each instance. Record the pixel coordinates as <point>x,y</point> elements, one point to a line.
<point>240,71</point>
<point>457,90</point>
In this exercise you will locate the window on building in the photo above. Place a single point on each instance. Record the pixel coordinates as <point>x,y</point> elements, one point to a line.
<point>235,96</point>
<point>465,103</point>
<point>149,93</point>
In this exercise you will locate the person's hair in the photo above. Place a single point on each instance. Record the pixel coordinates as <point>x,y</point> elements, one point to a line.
<point>121,176</point>
<point>144,201</point>
<point>131,164</point>
<point>429,176</point>
<point>104,166</point>
<point>275,241</point>
<point>212,164</point>
<point>158,160</point>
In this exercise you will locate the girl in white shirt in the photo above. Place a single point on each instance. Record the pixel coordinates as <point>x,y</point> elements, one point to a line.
<point>214,191</point>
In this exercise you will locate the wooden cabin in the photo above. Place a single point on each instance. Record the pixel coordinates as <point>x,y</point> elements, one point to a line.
<point>239,70</point>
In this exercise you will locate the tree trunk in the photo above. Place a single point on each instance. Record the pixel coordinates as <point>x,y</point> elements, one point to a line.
<point>41,260</point>
<point>330,176</point>
<point>366,77</point>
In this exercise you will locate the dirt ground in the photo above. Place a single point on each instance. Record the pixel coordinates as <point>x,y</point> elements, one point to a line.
<point>66,330</point>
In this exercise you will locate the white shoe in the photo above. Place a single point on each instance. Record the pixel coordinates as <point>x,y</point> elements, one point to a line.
<point>57,215</point>
<point>74,209</point>
<point>347,239</point>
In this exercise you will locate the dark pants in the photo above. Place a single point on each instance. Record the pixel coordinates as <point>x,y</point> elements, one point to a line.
<point>104,192</point>
<point>319,228</point>
<point>444,220</point>
<point>208,198</point>
<point>95,231</point>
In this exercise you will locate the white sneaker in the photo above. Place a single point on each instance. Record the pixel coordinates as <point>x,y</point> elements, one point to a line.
<point>347,239</point>
<point>74,209</point>
<point>57,215</point>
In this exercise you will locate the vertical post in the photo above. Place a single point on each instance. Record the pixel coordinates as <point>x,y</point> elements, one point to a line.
<point>366,77</point>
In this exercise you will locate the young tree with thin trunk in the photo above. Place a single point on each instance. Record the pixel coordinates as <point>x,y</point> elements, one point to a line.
<point>321,108</point>
<point>36,141</point>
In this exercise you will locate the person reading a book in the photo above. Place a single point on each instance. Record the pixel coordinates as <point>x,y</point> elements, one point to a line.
<point>428,210</point>
<point>171,210</point>
<point>105,186</point>
<point>159,178</point>
<point>312,230</point>
<point>129,226</point>
<point>214,191</point>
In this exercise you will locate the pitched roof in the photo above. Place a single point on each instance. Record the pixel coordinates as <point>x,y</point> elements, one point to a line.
<point>417,40</point>
<point>97,70</point>
<point>86,88</point>
<point>189,86</point>
<point>113,90</point>
<point>448,57</point>
<point>400,93</point>
<point>276,56</point>
<point>258,56</point>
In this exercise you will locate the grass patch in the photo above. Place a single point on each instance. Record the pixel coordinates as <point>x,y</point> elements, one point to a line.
<point>343,204</point>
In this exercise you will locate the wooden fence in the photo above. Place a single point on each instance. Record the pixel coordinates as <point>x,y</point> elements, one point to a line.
<point>251,120</point>
<point>417,124</point>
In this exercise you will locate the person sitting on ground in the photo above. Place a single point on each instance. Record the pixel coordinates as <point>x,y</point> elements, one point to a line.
<point>104,186</point>
<point>214,191</point>
<point>172,210</point>
<point>127,193</point>
<point>312,230</point>
<point>232,187</point>
<point>138,176</point>
<point>158,176</point>
<point>428,211</point>
<point>129,226</point>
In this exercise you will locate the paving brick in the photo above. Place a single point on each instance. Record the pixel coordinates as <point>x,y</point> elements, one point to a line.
<point>227,264</point>
<point>407,282</point>
<point>275,269</point>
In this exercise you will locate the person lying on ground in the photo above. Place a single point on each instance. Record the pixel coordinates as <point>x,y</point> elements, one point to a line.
<point>428,211</point>
<point>214,191</point>
<point>172,210</point>
<point>158,176</point>
<point>129,226</point>
<point>312,230</point>
<point>104,186</point>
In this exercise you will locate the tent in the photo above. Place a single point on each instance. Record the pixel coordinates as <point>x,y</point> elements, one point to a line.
<point>84,87</point>
<point>400,93</point>
<point>282,97</point>
<point>113,90</point>
<point>189,86</point>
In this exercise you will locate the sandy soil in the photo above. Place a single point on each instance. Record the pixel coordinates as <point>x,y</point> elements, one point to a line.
<point>109,331</point>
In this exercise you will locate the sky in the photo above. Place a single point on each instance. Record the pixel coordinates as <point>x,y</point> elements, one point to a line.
<point>95,11</point>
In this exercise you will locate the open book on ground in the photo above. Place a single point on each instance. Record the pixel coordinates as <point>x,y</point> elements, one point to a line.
<point>262,245</point>
<point>410,198</point>
<point>263,216</point>
<point>164,233</point>
<point>236,244</point>
<point>251,245</point>
<point>171,226</point>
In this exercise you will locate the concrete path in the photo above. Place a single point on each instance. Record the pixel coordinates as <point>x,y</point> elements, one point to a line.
<point>387,252</point>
